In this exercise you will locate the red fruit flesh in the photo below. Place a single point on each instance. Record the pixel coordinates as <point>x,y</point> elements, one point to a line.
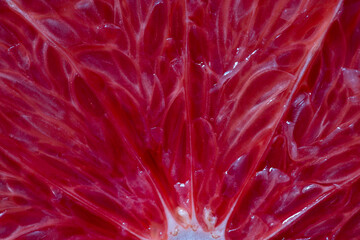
<point>179,119</point>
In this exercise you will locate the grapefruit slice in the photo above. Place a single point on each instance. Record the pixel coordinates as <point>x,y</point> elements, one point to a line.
<point>195,119</point>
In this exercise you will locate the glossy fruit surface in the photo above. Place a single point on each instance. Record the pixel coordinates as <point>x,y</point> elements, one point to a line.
<point>191,119</point>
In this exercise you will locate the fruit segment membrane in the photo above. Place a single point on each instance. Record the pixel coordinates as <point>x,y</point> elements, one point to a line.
<point>180,120</point>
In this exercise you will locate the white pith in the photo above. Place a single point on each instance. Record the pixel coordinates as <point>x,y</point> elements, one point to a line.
<point>190,234</point>
<point>190,228</point>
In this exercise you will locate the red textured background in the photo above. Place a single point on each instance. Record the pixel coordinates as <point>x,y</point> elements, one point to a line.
<point>239,117</point>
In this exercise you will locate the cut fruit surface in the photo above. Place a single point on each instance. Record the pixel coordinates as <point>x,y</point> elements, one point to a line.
<point>179,120</point>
